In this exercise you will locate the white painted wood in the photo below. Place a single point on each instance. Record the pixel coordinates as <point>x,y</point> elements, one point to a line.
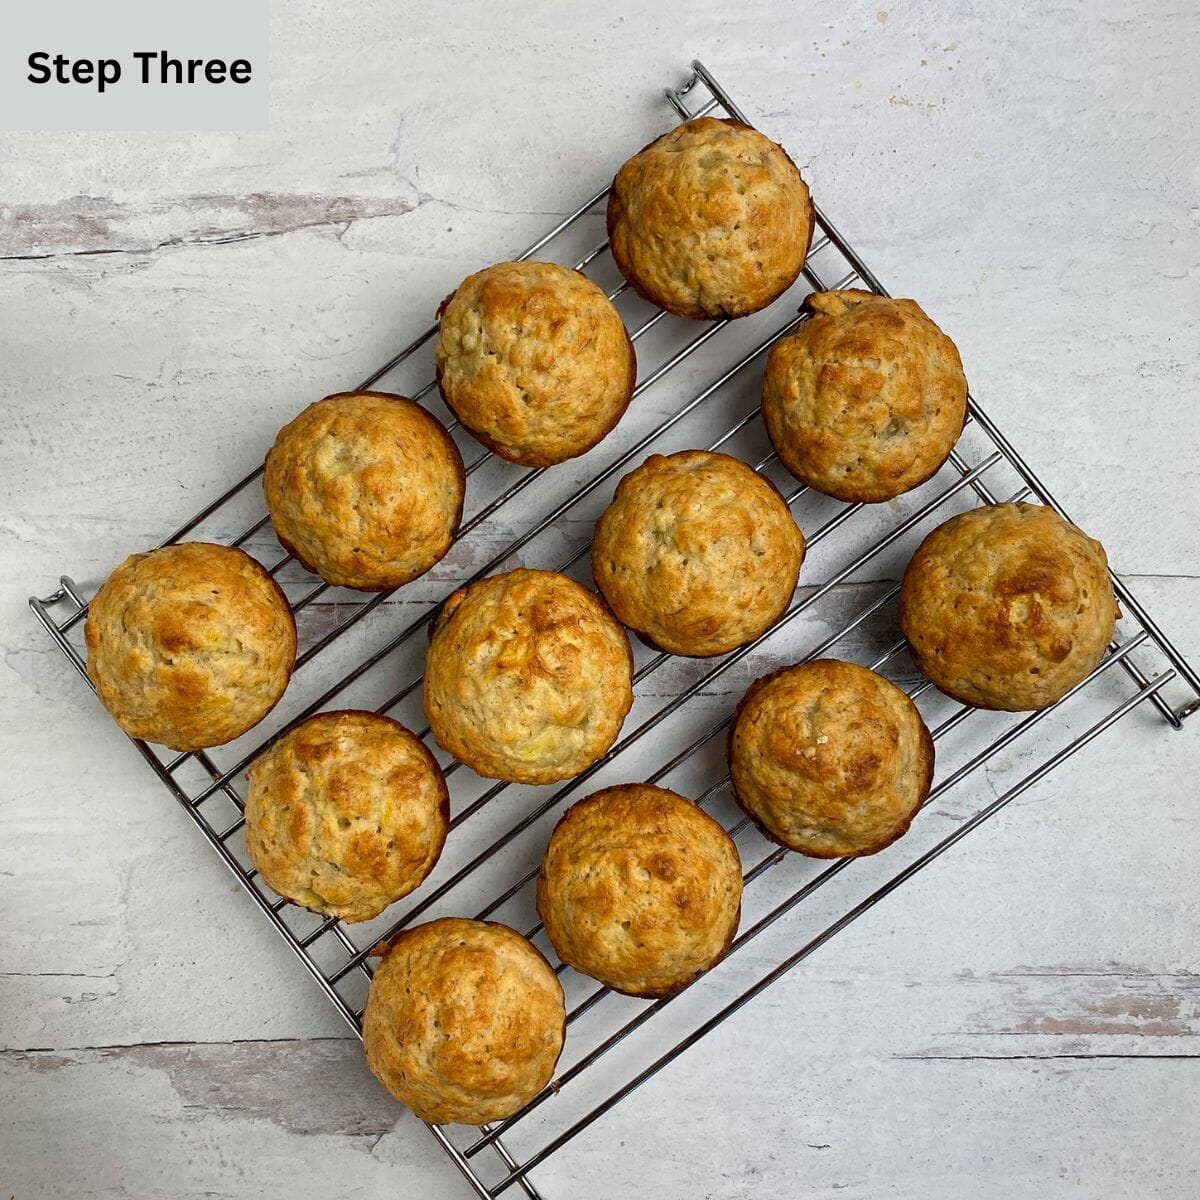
<point>1020,1020</point>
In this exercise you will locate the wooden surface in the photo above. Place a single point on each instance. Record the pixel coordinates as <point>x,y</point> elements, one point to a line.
<point>1023,1018</point>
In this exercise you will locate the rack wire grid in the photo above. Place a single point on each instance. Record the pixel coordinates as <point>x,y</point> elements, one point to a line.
<point>349,659</point>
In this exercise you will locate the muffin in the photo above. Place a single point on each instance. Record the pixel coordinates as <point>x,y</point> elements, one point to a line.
<point>829,758</point>
<point>640,889</point>
<point>365,490</point>
<point>464,1021</point>
<point>1007,606</point>
<point>697,553</point>
<point>189,645</point>
<point>710,220</point>
<point>534,360</point>
<point>866,399</point>
<point>347,812</point>
<point>528,677</point>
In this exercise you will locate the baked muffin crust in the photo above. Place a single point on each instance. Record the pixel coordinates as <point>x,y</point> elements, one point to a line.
<point>534,360</point>
<point>697,552</point>
<point>346,813</point>
<point>365,489</point>
<point>464,1022</point>
<point>640,889</point>
<point>189,645</point>
<point>866,399</point>
<point>829,758</point>
<point>710,220</point>
<point>528,677</point>
<point>1007,606</point>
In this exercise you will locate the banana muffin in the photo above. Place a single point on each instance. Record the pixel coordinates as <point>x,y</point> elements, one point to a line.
<point>829,758</point>
<point>1007,606</point>
<point>710,220</point>
<point>464,1021</point>
<point>640,889</point>
<point>534,360</point>
<point>365,489</point>
<point>866,399</point>
<point>347,812</point>
<point>528,677</point>
<point>189,645</point>
<point>697,552</point>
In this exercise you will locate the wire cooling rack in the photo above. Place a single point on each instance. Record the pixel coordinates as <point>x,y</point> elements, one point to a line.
<point>368,653</point>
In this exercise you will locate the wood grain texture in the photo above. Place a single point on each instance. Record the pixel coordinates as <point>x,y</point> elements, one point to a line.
<point>1020,1020</point>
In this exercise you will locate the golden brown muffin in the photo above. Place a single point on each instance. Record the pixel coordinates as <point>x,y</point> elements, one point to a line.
<point>1007,606</point>
<point>710,220</point>
<point>347,812</point>
<point>534,360</point>
<point>189,645</point>
<point>365,489</point>
<point>866,399</point>
<point>829,758</point>
<point>528,677</point>
<point>697,552</point>
<point>640,889</point>
<point>464,1021</point>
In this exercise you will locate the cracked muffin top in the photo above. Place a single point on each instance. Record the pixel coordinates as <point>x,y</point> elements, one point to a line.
<point>697,552</point>
<point>528,677</point>
<point>365,489</point>
<point>829,758</point>
<point>345,813</point>
<point>464,1021</point>
<point>866,399</point>
<point>710,220</point>
<point>189,645</point>
<point>1007,606</point>
<point>534,360</point>
<point>640,889</point>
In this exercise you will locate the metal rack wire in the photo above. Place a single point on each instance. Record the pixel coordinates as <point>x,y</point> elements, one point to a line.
<point>490,872</point>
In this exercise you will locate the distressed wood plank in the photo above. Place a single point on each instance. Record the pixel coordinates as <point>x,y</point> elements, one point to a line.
<point>93,225</point>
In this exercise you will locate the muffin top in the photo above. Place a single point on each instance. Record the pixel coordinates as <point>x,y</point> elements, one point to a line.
<point>189,645</point>
<point>710,220</point>
<point>697,552</point>
<point>347,812</point>
<point>1007,606</point>
<point>640,889</point>
<point>365,489</point>
<point>528,677</point>
<point>464,1021</point>
<point>866,399</point>
<point>829,758</point>
<point>534,360</point>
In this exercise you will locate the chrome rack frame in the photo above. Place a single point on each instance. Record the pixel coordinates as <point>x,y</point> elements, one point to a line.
<point>1142,666</point>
